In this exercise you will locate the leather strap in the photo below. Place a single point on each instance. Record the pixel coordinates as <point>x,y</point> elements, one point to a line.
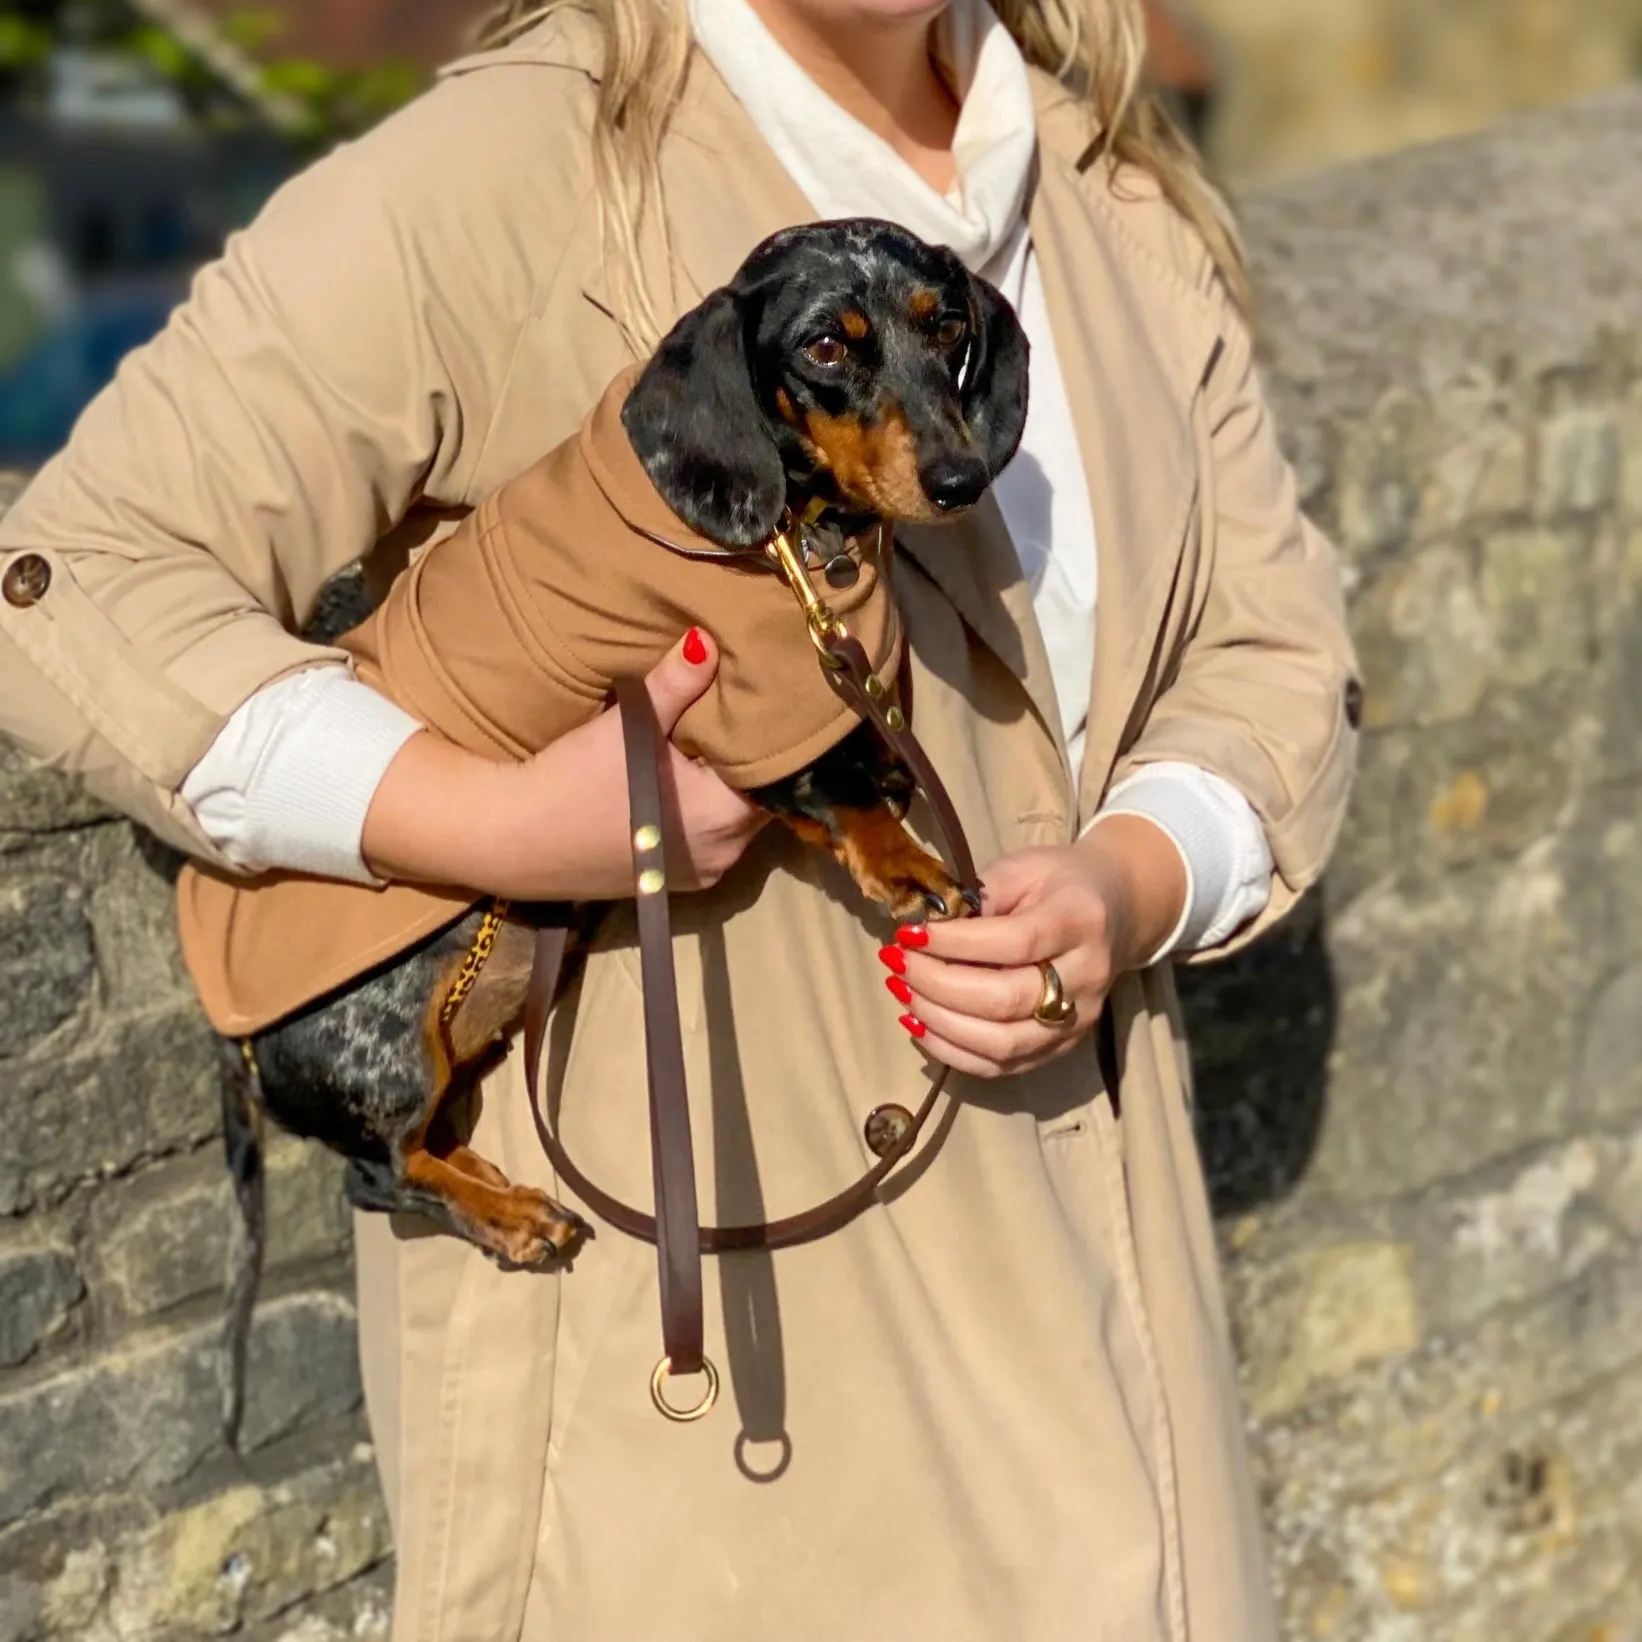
<point>673,1154</point>
<point>675,1227</point>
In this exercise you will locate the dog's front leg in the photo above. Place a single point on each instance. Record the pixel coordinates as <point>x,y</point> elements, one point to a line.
<point>850,802</point>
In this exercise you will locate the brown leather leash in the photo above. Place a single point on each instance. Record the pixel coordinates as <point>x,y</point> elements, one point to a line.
<point>675,1228</point>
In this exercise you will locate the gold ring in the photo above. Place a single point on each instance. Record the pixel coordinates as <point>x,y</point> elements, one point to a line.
<point>683,1416</point>
<point>1054,1007</point>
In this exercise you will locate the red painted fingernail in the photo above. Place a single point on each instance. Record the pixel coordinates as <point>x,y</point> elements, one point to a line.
<point>915,1026</point>
<point>903,992</point>
<point>893,958</point>
<point>913,935</point>
<point>695,647</point>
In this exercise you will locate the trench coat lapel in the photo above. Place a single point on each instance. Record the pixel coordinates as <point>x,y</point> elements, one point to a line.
<point>1132,366</point>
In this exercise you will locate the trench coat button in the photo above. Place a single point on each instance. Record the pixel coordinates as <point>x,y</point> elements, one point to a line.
<point>25,581</point>
<point>1354,704</point>
<point>886,1128</point>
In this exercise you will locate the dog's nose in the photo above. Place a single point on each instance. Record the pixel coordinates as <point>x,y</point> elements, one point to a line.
<point>952,484</point>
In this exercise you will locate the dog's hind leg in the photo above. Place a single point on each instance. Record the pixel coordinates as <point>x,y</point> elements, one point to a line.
<point>441,1174</point>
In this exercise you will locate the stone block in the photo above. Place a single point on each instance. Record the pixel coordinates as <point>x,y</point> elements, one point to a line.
<point>1579,462</point>
<point>47,960</point>
<point>1426,640</point>
<point>1535,587</point>
<point>249,1554</point>
<point>1378,487</point>
<point>39,1287</point>
<point>144,1087</point>
<point>1514,1233</point>
<point>42,801</point>
<point>1314,1318</point>
<point>164,1239</point>
<point>146,1415</point>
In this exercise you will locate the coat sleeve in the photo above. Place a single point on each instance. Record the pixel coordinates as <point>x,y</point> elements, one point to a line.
<point>342,361</point>
<point>1264,692</point>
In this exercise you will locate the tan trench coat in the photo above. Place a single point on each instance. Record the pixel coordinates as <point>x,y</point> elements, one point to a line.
<point>1000,1406</point>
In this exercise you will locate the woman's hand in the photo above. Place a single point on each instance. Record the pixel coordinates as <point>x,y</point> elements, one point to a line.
<point>555,828</point>
<point>1093,909</point>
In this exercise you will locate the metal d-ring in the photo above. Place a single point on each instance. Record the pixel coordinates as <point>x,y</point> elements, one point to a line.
<point>683,1416</point>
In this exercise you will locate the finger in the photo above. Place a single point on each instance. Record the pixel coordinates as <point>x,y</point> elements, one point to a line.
<point>971,989</point>
<point>1008,882</point>
<point>940,1048</point>
<point>681,677</point>
<point>1009,941</point>
<point>1002,1044</point>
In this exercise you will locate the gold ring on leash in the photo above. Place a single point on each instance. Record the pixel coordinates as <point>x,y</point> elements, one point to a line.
<point>683,1416</point>
<point>1054,1007</point>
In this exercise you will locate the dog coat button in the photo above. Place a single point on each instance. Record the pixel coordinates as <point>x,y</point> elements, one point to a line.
<point>25,581</point>
<point>843,572</point>
<point>886,1128</point>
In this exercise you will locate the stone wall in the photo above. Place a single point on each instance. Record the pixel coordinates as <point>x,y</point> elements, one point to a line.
<point>1421,1101</point>
<point>1311,83</point>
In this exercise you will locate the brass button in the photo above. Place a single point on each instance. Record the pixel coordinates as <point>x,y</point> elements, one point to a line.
<point>886,1128</point>
<point>1354,704</point>
<point>25,581</point>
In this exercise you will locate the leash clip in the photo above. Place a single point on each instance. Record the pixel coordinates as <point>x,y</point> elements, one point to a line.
<point>785,553</point>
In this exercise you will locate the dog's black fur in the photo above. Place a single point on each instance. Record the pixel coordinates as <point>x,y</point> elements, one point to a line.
<point>848,364</point>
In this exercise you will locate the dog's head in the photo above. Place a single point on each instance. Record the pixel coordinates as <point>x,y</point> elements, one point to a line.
<point>846,361</point>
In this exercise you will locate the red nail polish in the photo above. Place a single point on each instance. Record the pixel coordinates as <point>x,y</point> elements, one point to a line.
<point>900,989</point>
<point>915,1026</point>
<point>913,935</point>
<point>893,958</point>
<point>695,647</point>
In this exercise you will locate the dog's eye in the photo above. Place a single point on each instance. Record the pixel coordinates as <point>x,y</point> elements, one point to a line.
<point>827,350</point>
<point>951,331</point>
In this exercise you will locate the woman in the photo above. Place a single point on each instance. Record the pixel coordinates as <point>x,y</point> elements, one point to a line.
<point>1001,1405</point>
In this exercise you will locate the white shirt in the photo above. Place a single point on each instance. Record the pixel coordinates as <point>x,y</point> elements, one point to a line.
<point>290,778</point>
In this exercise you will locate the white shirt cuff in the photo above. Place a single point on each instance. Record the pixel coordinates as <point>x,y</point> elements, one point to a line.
<point>291,775</point>
<point>1221,843</point>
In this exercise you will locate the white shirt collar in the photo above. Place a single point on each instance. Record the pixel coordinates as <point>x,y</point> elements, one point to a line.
<point>845,170</point>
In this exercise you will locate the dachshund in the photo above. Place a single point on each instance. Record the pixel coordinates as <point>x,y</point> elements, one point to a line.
<point>848,374</point>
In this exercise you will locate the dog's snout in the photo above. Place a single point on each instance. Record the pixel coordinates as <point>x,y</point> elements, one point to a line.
<point>953,484</point>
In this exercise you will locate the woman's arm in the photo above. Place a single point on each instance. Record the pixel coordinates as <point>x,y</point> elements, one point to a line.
<point>1263,699</point>
<point>341,361</point>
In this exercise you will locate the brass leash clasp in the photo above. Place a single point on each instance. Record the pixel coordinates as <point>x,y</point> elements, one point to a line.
<point>784,551</point>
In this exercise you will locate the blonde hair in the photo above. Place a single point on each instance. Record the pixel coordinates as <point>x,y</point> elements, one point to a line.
<point>1095,47</point>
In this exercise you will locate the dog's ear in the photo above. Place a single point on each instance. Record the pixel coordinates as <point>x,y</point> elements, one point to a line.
<point>994,388</point>
<point>696,426</point>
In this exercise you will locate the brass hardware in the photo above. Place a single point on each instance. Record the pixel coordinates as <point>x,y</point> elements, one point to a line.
<point>646,839</point>
<point>896,719</point>
<point>652,881</point>
<point>683,1416</point>
<point>484,940</point>
<point>784,553</point>
<point>886,1127</point>
<point>1054,1007</point>
<point>876,688</point>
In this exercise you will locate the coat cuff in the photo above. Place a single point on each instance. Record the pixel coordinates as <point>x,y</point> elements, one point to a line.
<point>1221,842</point>
<point>288,781</point>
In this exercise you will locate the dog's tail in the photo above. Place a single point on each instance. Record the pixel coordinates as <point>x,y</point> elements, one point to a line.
<point>242,1136</point>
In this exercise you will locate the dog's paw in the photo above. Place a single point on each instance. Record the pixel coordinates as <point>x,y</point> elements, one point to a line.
<point>915,886</point>
<point>535,1231</point>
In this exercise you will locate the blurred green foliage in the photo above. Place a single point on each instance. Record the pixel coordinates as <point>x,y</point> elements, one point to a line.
<point>317,104</point>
